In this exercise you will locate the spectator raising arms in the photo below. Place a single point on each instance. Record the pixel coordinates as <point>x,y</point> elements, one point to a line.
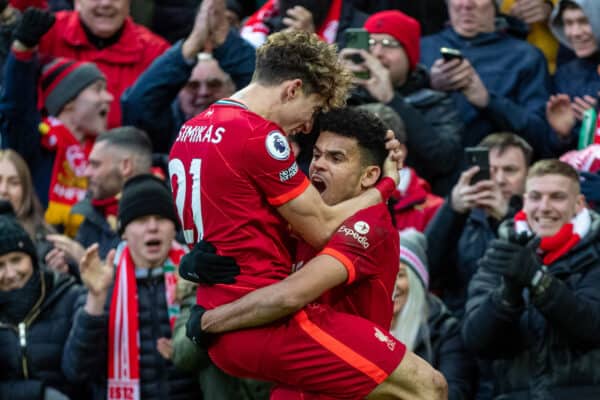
<point>75,97</point>
<point>102,32</point>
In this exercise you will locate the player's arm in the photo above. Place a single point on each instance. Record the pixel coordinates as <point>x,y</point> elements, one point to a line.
<point>316,221</point>
<point>275,301</point>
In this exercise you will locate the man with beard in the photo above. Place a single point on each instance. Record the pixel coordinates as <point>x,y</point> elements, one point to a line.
<point>77,102</point>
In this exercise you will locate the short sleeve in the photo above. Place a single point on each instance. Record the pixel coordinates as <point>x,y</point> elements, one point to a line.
<point>356,244</point>
<point>273,167</point>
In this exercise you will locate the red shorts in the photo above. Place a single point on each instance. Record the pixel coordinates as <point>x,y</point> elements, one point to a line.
<point>317,350</point>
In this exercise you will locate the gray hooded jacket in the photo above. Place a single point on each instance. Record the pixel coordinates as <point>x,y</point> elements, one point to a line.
<point>590,8</point>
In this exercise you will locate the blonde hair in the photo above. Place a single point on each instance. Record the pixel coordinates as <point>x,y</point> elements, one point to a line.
<point>29,213</point>
<point>302,55</point>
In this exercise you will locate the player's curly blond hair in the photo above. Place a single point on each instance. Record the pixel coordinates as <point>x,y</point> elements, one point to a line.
<point>301,55</point>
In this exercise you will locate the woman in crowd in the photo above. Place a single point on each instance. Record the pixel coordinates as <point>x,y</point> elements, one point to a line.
<point>423,322</point>
<point>36,314</point>
<point>16,186</point>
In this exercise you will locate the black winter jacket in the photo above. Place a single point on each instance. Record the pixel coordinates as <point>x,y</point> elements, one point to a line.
<point>94,228</point>
<point>32,351</point>
<point>86,352</point>
<point>548,348</point>
<point>446,352</point>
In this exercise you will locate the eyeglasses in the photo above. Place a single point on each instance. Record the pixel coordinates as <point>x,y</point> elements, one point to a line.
<point>211,84</point>
<point>388,43</point>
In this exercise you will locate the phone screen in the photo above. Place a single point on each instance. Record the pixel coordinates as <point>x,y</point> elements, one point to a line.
<point>358,38</point>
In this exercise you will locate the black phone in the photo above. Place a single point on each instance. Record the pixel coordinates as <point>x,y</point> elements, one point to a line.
<point>449,54</point>
<point>479,156</point>
<point>358,38</point>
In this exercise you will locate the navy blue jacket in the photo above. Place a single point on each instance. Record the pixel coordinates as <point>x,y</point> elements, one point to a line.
<point>151,102</point>
<point>516,77</point>
<point>578,77</point>
<point>19,120</point>
<point>548,348</point>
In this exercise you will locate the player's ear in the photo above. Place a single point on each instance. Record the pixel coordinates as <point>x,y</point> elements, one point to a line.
<point>292,89</point>
<point>370,176</point>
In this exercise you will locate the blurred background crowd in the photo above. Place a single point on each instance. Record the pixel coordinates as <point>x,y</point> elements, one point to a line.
<point>93,93</point>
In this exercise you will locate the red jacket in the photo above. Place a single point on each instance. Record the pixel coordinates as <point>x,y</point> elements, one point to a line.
<point>121,62</point>
<point>416,205</point>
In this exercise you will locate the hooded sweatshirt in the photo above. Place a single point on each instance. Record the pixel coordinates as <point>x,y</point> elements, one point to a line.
<point>591,10</point>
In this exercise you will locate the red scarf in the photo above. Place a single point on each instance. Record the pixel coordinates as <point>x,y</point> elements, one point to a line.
<point>68,184</point>
<point>256,32</point>
<point>123,329</point>
<point>109,207</point>
<point>554,247</point>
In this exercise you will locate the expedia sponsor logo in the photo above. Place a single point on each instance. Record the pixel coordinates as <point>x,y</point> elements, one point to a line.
<point>289,173</point>
<point>352,233</point>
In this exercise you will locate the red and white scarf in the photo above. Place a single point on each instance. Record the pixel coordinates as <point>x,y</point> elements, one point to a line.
<point>256,32</point>
<point>553,247</point>
<point>123,329</point>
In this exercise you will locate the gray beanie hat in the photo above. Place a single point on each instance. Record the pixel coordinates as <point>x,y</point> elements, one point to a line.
<point>413,248</point>
<point>63,79</point>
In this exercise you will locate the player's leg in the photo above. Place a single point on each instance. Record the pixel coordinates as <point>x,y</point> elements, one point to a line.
<point>413,379</point>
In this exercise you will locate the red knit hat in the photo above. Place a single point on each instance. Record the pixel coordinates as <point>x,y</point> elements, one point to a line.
<point>403,28</point>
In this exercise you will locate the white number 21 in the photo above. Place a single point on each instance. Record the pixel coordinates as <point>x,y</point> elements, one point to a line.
<point>177,169</point>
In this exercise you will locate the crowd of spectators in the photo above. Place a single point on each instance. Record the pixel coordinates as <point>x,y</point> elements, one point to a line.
<point>496,283</point>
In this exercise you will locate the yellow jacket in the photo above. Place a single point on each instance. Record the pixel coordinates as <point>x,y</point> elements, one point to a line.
<point>539,35</point>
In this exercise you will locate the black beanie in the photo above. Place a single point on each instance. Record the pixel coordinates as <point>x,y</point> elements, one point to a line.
<point>145,195</point>
<point>14,238</point>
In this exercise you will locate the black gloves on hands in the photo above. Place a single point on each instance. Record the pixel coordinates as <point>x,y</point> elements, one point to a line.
<point>203,265</point>
<point>515,262</point>
<point>34,24</point>
<point>193,328</point>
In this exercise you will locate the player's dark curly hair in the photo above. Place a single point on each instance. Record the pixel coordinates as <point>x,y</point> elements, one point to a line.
<point>365,127</point>
<point>301,55</point>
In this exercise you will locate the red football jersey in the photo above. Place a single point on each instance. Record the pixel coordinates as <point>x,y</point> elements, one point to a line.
<point>229,168</point>
<point>367,244</point>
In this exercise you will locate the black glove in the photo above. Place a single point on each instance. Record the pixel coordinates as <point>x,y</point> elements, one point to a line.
<point>515,262</point>
<point>203,265</point>
<point>193,328</point>
<point>34,24</point>
<point>590,186</point>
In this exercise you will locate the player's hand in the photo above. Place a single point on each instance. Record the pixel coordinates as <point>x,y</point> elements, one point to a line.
<point>193,328</point>
<point>560,114</point>
<point>204,265</point>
